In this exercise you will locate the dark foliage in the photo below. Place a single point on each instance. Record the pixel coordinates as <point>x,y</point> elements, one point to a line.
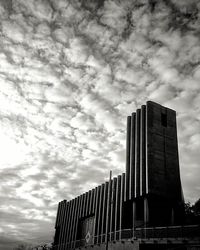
<point>23,247</point>
<point>192,212</point>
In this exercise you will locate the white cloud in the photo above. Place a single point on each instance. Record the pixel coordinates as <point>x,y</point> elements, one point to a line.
<point>163,93</point>
<point>114,15</point>
<point>82,122</point>
<point>13,153</point>
<point>63,35</point>
<point>13,31</point>
<point>40,9</point>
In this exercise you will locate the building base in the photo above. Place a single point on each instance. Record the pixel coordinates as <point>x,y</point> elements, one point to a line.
<point>140,245</point>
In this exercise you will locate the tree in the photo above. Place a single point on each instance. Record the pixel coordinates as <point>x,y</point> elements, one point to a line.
<point>196,208</point>
<point>23,247</point>
<point>192,212</point>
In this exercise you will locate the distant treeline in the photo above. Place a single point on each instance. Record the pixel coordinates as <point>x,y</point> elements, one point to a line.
<point>192,213</point>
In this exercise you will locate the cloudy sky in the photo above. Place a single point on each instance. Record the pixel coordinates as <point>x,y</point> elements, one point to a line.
<point>70,73</point>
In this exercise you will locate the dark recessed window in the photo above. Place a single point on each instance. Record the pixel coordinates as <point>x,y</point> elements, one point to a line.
<point>164,119</point>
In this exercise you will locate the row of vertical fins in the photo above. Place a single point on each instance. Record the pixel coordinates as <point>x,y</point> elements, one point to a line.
<point>136,167</point>
<point>92,203</point>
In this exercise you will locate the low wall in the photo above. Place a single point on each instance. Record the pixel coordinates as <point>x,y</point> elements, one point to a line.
<point>128,245</point>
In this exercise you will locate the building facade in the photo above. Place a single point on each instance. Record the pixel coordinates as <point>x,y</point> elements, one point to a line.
<point>148,194</point>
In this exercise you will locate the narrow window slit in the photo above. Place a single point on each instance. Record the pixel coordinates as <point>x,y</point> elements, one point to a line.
<point>164,120</point>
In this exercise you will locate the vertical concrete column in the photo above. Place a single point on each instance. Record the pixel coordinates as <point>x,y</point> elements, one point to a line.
<point>121,203</point>
<point>96,214</point>
<point>132,158</point>
<point>94,201</point>
<point>89,201</point>
<point>84,204</point>
<point>137,154</point>
<point>68,221</point>
<point>61,223</point>
<point>146,146</point>
<point>117,207</point>
<point>172,216</point>
<point>74,218</point>
<point>80,209</point>
<point>113,203</point>
<point>71,220</point>
<point>79,215</point>
<point>134,217</point>
<point>128,140</point>
<point>143,151</point>
<point>81,206</point>
<point>100,213</point>
<point>65,223</point>
<point>111,210</point>
<point>146,212</point>
<point>105,198</point>
<point>108,211</point>
<point>75,222</point>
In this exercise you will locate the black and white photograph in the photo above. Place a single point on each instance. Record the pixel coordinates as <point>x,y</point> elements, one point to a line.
<point>99,124</point>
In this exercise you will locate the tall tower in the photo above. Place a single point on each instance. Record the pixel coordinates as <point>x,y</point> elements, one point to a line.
<point>152,166</point>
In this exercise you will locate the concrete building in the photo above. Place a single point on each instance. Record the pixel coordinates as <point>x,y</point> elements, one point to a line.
<point>148,195</point>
